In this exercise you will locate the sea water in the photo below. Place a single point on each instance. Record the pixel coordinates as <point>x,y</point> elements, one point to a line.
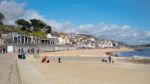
<point>145,52</point>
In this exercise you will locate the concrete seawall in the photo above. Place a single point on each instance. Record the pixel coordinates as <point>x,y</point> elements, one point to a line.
<point>42,48</point>
<point>29,74</point>
<point>16,71</point>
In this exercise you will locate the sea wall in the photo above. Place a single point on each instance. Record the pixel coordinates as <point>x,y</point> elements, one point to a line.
<point>42,48</point>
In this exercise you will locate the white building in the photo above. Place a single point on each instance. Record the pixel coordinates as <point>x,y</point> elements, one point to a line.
<point>51,40</point>
<point>63,41</point>
<point>109,44</point>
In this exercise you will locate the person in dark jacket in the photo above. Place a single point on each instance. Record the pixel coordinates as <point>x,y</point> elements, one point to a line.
<point>59,60</point>
<point>109,59</point>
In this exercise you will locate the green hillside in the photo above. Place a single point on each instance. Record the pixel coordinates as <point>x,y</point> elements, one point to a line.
<point>4,29</point>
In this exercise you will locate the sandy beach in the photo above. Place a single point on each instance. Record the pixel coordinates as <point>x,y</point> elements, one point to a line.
<point>94,73</point>
<point>84,52</point>
<point>91,72</point>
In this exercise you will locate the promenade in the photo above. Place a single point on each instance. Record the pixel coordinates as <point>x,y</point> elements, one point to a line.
<point>8,69</point>
<point>29,74</point>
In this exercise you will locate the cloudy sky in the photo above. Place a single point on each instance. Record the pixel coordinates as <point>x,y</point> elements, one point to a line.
<point>122,20</point>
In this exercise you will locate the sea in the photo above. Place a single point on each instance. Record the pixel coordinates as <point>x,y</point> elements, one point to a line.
<point>145,52</point>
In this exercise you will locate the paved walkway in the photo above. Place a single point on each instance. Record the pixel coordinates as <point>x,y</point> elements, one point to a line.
<point>15,71</point>
<point>8,69</point>
<point>29,74</point>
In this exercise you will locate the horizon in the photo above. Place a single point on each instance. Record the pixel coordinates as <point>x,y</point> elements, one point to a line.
<point>124,21</point>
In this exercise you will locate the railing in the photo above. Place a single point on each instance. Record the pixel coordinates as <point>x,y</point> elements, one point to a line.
<point>74,58</point>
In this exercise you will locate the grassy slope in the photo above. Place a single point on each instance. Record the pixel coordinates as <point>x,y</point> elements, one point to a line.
<point>4,29</point>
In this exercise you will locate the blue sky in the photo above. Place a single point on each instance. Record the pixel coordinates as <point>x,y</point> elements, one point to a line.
<point>135,13</point>
<point>127,21</point>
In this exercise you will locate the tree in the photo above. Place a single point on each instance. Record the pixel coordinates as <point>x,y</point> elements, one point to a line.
<point>25,25</point>
<point>1,18</point>
<point>37,24</point>
<point>49,29</point>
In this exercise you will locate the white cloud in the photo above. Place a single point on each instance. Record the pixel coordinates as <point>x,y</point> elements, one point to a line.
<point>125,33</point>
<point>11,10</point>
<point>30,14</point>
<point>148,34</point>
<point>86,28</point>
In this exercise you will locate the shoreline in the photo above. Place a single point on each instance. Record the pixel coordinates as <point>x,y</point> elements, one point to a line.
<point>91,53</point>
<point>84,52</point>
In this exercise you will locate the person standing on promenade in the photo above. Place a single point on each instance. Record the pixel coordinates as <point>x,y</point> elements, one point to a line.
<point>0,50</point>
<point>28,51</point>
<point>22,50</point>
<point>19,51</point>
<point>32,50</point>
<point>23,55</point>
<point>38,51</point>
<point>4,50</point>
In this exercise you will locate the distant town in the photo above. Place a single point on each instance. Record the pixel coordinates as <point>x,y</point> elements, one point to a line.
<point>57,39</point>
<point>34,32</point>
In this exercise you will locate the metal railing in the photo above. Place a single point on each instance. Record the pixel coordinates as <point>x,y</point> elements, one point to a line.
<point>74,58</point>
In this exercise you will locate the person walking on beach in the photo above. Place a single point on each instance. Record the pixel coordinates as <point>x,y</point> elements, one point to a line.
<point>59,60</point>
<point>109,59</point>
<point>38,51</point>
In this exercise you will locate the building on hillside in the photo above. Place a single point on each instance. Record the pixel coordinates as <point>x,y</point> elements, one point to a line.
<point>19,39</point>
<point>50,40</point>
<point>64,39</point>
<point>107,44</point>
<point>110,44</point>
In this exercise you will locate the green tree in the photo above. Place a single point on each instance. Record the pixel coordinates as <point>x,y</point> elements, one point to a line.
<point>1,18</point>
<point>37,24</point>
<point>49,29</point>
<point>25,25</point>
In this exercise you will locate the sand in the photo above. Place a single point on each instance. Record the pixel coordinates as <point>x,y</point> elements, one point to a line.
<point>91,72</point>
<point>84,52</point>
<point>94,73</point>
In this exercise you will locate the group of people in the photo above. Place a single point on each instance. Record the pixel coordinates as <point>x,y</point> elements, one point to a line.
<point>3,50</point>
<point>29,51</point>
<point>109,59</point>
<point>22,52</point>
